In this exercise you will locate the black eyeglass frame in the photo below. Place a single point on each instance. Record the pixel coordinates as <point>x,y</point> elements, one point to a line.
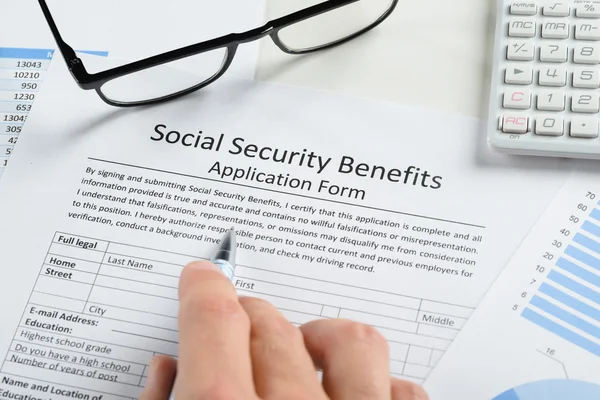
<point>94,81</point>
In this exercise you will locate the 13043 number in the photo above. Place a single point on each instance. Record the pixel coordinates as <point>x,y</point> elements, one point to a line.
<point>14,118</point>
<point>29,64</point>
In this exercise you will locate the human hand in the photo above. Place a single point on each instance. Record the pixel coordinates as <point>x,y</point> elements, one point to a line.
<point>243,348</point>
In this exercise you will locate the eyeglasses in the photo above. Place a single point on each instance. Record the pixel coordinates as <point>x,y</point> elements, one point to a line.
<point>160,77</point>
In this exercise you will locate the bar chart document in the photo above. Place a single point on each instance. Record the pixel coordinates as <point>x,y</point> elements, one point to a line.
<point>342,208</point>
<point>536,335</point>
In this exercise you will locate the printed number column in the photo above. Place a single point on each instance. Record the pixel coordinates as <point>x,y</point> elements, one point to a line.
<point>21,72</point>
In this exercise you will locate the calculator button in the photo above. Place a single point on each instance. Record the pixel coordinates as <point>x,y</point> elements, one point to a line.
<point>588,30</point>
<point>551,52</point>
<point>517,99</point>
<point>552,125</point>
<point>520,51</point>
<point>586,54</point>
<point>582,127</point>
<point>588,78</point>
<point>555,30</point>
<point>519,76</point>
<point>552,76</point>
<point>521,28</point>
<point>515,124</point>
<point>550,101</point>
<point>585,102</point>
<point>523,8</point>
<point>588,11</point>
<point>557,10</point>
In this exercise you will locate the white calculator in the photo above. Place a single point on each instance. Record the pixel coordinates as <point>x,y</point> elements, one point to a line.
<point>545,93</point>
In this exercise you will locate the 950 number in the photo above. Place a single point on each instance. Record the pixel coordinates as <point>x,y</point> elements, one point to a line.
<point>29,86</point>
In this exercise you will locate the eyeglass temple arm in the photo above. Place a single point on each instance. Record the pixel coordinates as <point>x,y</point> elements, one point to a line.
<point>73,62</point>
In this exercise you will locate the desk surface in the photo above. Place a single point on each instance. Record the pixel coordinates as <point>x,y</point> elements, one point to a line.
<point>435,54</point>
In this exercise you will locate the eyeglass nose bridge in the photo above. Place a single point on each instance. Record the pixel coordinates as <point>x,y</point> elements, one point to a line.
<point>260,33</point>
<point>256,34</point>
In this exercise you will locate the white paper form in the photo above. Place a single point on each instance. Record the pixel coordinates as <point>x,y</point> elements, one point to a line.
<point>344,208</point>
<point>27,46</point>
<point>536,334</point>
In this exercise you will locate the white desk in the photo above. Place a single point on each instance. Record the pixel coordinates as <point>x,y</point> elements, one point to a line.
<point>434,54</point>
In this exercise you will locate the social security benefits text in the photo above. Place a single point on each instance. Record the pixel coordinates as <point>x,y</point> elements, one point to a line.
<point>408,175</point>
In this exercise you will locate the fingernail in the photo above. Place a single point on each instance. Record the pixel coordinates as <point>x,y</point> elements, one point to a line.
<point>152,366</point>
<point>204,265</point>
<point>152,373</point>
<point>161,376</point>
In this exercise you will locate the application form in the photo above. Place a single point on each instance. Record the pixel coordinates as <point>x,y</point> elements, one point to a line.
<point>344,208</point>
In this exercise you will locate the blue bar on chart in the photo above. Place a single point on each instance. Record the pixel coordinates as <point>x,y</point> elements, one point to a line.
<point>591,228</point>
<point>579,272</point>
<point>21,74</point>
<point>566,316</point>
<point>595,214</point>
<point>588,243</point>
<point>581,255</point>
<point>568,303</point>
<point>561,331</point>
<point>574,286</point>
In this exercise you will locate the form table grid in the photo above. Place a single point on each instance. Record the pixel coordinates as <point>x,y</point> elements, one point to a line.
<point>100,310</point>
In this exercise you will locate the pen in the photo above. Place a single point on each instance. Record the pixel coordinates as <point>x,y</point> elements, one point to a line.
<point>225,257</point>
<point>225,260</point>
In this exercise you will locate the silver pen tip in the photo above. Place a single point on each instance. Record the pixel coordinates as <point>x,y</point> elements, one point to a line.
<point>227,247</point>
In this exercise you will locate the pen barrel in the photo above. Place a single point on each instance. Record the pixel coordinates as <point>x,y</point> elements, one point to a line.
<point>228,271</point>
<point>226,267</point>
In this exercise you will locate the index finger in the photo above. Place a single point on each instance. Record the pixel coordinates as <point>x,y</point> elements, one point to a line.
<point>214,335</point>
